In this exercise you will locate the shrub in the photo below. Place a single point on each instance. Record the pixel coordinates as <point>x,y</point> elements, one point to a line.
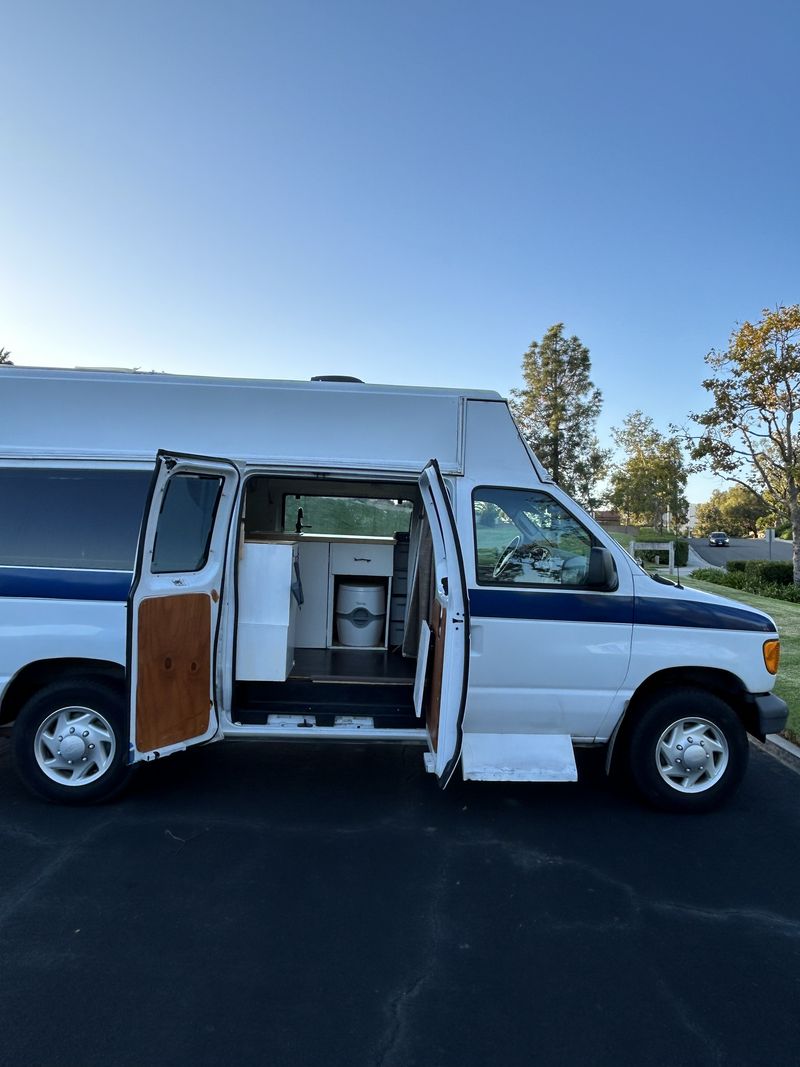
<point>712,574</point>
<point>735,565</point>
<point>770,572</point>
<point>749,581</point>
<point>681,553</point>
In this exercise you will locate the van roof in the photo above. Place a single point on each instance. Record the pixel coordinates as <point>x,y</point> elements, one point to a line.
<point>111,416</point>
<point>123,374</point>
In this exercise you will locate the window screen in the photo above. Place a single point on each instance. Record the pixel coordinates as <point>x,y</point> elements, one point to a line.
<point>183,534</point>
<point>52,517</point>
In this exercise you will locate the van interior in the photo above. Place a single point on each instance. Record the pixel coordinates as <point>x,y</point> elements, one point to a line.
<point>334,583</point>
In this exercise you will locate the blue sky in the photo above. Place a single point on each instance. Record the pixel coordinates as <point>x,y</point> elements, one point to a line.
<point>405,192</point>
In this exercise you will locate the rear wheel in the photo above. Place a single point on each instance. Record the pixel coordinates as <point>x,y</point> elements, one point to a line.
<point>70,742</point>
<point>688,751</point>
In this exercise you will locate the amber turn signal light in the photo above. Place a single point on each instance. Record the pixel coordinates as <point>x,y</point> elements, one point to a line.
<point>772,655</point>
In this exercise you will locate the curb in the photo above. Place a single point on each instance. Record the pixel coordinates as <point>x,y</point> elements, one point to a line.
<point>779,748</point>
<point>787,746</point>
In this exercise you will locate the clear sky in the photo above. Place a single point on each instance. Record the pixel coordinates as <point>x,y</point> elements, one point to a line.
<point>408,192</point>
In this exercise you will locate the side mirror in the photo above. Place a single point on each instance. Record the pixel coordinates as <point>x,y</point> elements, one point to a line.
<point>602,572</point>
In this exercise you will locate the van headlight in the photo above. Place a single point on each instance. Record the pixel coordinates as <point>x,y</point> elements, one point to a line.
<point>772,655</point>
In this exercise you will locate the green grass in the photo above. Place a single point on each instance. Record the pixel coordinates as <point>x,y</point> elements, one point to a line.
<point>787,619</point>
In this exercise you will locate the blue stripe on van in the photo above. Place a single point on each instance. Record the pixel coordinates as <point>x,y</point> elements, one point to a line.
<point>63,584</point>
<point>664,611</point>
<point>607,607</point>
<point>555,605</point>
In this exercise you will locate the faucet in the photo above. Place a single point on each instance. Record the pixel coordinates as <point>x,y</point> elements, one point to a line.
<point>298,526</point>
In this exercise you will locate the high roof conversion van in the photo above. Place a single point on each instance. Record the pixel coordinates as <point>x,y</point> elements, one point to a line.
<point>341,562</point>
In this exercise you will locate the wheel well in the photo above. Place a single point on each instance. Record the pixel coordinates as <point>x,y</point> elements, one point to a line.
<point>35,676</point>
<point>721,683</point>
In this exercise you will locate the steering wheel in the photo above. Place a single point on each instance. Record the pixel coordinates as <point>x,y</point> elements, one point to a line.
<point>506,556</point>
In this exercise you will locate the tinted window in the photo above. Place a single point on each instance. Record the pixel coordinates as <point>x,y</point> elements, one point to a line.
<point>524,537</point>
<point>362,516</point>
<point>70,518</point>
<point>185,523</point>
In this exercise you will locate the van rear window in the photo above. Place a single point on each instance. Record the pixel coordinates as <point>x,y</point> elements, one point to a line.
<point>51,517</point>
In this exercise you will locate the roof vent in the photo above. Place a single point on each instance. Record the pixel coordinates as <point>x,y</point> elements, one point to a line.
<point>336,378</point>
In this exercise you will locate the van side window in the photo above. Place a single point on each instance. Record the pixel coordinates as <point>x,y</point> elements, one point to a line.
<point>71,519</point>
<point>185,523</point>
<point>524,537</point>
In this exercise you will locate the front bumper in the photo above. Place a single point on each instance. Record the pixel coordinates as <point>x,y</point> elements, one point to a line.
<point>771,713</point>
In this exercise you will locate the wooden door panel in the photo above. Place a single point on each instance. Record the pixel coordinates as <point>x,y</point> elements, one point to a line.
<point>174,669</point>
<point>438,625</point>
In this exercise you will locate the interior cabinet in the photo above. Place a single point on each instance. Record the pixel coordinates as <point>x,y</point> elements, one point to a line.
<point>267,618</point>
<point>322,564</point>
<point>312,616</point>
<point>367,560</point>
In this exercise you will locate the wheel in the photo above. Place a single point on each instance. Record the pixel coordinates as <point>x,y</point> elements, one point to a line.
<point>69,742</point>
<point>506,556</point>
<point>688,751</point>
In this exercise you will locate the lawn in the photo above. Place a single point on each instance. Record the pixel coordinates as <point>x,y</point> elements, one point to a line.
<point>787,619</point>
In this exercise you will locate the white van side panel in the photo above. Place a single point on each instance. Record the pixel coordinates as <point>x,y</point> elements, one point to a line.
<point>37,629</point>
<point>494,451</point>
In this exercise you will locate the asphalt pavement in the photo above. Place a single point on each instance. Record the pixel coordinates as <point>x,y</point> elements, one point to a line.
<point>741,548</point>
<point>276,904</point>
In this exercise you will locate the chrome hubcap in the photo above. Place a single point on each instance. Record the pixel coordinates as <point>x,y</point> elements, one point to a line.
<point>691,755</point>
<point>74,746</point>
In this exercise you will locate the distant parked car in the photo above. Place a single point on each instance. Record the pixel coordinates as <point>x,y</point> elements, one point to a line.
<point>718,539</point>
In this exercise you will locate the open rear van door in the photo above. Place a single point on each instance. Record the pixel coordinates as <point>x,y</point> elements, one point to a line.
<point>446,687</point>
<point>174,604</point>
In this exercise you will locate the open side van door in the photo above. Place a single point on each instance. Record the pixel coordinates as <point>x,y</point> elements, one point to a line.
<point>174,604</point>
<point>446,688</point>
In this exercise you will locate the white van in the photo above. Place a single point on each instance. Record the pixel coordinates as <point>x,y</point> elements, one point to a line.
<point>335,561</point>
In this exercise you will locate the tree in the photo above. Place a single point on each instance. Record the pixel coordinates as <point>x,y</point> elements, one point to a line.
<point>557,410</point>
<point>750,435</point>
<point>738,511</point>
<point>5,357</point>
<point>651,478</point>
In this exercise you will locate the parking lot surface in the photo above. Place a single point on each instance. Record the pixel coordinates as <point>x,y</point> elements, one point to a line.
<point>268,904</point>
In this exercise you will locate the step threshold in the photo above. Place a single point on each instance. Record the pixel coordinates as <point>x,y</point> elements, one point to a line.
<point>299,732</point>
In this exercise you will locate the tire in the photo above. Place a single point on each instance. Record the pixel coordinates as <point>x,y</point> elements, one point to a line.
<point>70,742</point>
<point>687,751</point>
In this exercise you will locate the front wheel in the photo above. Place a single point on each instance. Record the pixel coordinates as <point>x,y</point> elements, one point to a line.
<point>688,751</point>
<point>70,742</point>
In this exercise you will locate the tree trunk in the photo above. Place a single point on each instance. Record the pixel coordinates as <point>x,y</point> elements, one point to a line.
<point>794,516</point>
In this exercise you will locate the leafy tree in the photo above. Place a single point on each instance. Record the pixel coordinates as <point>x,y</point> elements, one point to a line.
<point>557,410</point>
<point>5,357</point>
<point>651,477</point>
<point>738,511</point>
<point>750,435</point>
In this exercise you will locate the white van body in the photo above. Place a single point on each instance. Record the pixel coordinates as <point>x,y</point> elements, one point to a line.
<point>512,627</point>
